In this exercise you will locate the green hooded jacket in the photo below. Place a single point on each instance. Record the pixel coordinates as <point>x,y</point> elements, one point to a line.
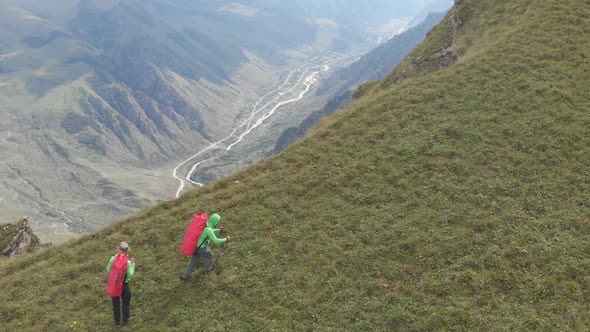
<point>209,232</point>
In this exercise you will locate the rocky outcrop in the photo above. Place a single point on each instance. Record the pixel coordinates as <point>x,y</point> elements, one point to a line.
<point>446,57</point>
<point>456,22</point>
<point>438,53</point>
<point>450,55</point>
<point>18,238</point>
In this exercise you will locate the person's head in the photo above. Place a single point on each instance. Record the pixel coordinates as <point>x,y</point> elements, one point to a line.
<point>213,220</point>
<point>123,247</point>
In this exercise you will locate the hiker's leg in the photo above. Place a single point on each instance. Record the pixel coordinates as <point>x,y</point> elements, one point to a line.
<point>192,263</point>
<point>126,302</point>
<point>209,259</point>
<point>117,310</point>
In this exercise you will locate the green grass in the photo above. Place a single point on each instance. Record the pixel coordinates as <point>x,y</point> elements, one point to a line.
<point>455,200</point>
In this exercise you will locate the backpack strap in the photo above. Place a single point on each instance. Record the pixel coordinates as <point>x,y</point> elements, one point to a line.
<point>204,242</point>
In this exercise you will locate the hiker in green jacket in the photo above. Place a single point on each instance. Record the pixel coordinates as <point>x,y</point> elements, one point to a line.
<point>126,294</point>
<point>209,233</point>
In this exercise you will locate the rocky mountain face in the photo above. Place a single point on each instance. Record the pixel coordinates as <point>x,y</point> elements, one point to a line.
<point>98,99</point>
<point>18,238</point>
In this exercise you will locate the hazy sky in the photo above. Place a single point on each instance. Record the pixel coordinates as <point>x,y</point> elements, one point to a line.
<point>369,12</point>
<point>416,7</point>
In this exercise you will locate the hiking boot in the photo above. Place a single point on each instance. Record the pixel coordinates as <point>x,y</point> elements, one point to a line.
<point>183,279</point>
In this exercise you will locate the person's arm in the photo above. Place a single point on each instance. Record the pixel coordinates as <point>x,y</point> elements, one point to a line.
<point>110,264</point>
<point>215,239</point>
<point>130,269</point>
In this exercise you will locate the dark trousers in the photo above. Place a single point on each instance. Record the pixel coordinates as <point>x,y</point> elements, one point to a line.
<point>126,296</point>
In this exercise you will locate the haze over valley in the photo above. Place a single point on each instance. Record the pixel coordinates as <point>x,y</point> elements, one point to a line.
<point>104,104</point>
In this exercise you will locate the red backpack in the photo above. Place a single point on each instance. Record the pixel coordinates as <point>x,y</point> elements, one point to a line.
<point>193,232</point>
<point>117,275</point>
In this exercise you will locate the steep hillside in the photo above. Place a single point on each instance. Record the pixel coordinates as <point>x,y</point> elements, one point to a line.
<point>454,199</point>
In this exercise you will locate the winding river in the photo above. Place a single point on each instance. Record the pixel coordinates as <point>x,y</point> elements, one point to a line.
<point>301,78</point>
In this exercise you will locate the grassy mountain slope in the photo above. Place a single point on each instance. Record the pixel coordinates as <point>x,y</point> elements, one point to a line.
<point>456,199</point>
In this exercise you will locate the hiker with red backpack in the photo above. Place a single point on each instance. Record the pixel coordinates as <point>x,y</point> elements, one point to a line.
<point>120,270</point>
<point>196,241</point>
